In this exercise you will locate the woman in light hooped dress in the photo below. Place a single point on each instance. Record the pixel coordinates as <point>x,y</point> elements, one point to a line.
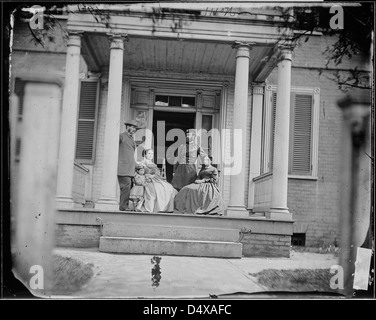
<point>202,196</point>
<point>159,194</point>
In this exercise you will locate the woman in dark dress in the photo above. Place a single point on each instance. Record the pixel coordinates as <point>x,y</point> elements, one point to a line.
<point>185,171</point>
<point>202,196</point>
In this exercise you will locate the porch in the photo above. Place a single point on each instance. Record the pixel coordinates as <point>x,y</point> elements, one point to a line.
<point>258,236</point>
<point>120,55</point>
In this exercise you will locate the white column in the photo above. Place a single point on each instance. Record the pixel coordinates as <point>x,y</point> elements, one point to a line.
<point>69,123</point>
<point>108,199</point>
<point>236,206</point>
<point>279,208</point>
<point>256,134</point>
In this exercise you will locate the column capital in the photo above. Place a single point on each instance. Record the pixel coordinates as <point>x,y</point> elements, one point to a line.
<point>243,48</point>
<point>258,89</point>
<point>238,44</point>
<point>285,52</point>
<point>117,40</point>
<point>74,38</point>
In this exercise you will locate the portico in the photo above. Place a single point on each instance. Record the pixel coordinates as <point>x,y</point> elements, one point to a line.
<point>129,51</point>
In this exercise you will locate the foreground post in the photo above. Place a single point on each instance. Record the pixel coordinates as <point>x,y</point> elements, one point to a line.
<point>33,214</point>
<point>356,185</point>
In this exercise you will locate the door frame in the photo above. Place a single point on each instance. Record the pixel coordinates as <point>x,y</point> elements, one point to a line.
<point>149,87</point>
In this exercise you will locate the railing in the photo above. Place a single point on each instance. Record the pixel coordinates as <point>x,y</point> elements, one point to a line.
<point>80,176</point>
<point>263,192</point>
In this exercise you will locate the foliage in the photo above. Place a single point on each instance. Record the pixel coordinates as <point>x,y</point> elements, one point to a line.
<point>354,39</point>
<point>296,280</point>
<point>69,275</point>
<point>50,21</point>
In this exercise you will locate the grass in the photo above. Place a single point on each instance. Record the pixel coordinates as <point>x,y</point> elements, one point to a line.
<point>296,280</point>
<point>69,275</point>
<point>324,249</point>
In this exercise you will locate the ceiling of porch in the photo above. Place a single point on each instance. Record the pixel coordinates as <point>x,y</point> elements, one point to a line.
<point>169,55</point>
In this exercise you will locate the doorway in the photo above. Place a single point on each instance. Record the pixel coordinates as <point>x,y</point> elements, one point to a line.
<point>177,120</point>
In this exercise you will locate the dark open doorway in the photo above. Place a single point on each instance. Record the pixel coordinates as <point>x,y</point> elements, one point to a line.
<point>180,120</point>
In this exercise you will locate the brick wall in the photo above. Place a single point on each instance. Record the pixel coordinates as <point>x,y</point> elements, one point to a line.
<point>79,236</point>
<point>315,203</point>
<point>266,245</point>
<point>79,183</point>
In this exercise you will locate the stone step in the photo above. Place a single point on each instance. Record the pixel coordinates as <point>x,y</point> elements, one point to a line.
<point>218,249</point>
<point>169,232</point>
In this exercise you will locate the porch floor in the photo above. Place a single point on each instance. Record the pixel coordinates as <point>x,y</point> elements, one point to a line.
<point>259,236</point>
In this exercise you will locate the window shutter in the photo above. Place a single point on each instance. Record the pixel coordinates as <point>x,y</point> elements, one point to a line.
<point>301,137</point>
<point>19,90</point>
<point>87,117</point>
<point>274,109</point>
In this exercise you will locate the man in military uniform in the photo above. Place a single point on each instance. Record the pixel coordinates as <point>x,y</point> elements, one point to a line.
<point>185,171</point>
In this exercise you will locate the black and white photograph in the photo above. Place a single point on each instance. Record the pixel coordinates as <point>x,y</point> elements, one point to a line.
<point>189,150</point>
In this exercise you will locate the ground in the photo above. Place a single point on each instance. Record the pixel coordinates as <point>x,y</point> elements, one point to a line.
<point>146,276</point>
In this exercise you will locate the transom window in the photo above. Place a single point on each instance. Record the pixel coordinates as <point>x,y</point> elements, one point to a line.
<point>175,101</point>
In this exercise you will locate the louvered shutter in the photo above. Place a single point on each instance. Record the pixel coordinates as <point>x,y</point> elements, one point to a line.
<point>300,162</point>
<point>19,90</point>
<point>274,109</point>
<point>87,117</point>
<point>300,145</point>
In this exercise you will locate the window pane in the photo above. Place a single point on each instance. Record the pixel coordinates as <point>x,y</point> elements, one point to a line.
<point>174,101</point>
<point>207,120</point>
<point>161,100</point>
<point>189,102</point>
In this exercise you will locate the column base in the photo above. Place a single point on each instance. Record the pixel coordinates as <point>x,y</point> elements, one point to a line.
<point>107,204</point>
<point>237,212</point>
<point>64,202</point>
<point>279,214</point>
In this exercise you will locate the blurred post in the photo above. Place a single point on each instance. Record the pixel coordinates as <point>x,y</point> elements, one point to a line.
<point>33,238</point>
<point>355,171</point>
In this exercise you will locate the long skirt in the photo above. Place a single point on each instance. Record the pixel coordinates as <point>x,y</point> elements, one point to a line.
<point>158,196</point>
<point>185,174</point>
<point>200,198</point>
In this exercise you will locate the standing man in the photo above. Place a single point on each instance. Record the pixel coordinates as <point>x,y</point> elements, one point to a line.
<point>126,162</point>
<point>185,170</point>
